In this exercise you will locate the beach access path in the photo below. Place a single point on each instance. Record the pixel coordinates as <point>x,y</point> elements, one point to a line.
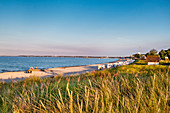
<point>74,70</point>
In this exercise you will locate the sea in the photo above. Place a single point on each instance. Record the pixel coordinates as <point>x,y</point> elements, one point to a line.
<point>12,63</point>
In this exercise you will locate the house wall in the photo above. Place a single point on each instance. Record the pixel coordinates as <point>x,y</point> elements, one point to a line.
<point>153,63</point>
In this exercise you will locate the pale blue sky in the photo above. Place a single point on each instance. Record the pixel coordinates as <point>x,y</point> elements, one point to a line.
<point>83,27</point>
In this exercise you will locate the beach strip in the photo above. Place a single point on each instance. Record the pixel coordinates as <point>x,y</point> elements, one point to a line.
<point>73,70</point>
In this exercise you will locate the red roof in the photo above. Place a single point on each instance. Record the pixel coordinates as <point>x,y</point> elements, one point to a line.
<point>153,58</point>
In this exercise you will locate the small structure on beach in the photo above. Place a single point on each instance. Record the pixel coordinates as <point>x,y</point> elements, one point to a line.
<point>153,59</point>
<point>100,67</point>
<point>109,65</point>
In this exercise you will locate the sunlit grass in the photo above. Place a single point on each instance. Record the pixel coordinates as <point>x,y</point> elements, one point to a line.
<point>132,88</point>
<point>141,62</point>
<point>165,62</point>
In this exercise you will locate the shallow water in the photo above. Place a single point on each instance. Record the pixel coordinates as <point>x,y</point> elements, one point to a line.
<point>24,63</point>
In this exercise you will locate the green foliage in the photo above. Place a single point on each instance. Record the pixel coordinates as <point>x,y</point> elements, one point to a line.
<point>152,52</point>
<point>168,53</point>
<point>164,62</point>
<point>130,88</point>
<point>164,53</point>
<point>141,62</point>
<point>137,55</point>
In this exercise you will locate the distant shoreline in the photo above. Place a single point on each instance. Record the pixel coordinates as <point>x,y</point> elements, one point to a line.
<point>65,56</point>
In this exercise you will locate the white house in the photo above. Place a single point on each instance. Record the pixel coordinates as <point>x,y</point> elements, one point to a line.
<point>153,60</point>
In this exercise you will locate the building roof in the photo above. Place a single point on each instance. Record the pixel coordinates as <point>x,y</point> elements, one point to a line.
<point>153,58</point>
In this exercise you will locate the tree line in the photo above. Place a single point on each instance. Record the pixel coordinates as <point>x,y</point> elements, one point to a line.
<point>162,53</point>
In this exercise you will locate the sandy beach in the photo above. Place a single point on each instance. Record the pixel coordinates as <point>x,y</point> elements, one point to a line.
<point>74,70</point>
<point>8,76</point>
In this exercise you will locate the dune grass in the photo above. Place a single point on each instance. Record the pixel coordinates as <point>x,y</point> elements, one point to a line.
<point>130,88</point>
<point>140,62</point>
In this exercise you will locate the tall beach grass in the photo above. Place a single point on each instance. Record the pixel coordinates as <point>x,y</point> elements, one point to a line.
<point>131,88</point>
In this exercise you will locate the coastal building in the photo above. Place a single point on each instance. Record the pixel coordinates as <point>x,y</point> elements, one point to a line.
<point>153,59</point>
<point>139,53</point>
<point>166,59</point>
<point>143,57</point>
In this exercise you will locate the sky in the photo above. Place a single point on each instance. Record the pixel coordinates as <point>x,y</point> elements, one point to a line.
<point>83,27</point>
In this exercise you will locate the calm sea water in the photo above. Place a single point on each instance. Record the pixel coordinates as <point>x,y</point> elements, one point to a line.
<point>24,63</point>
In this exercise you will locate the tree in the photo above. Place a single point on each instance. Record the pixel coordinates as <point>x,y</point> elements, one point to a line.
<point>137,55</point>
<point>153,52</point>
<point>146,54</point>
<point>168,53</point>
<point>163,54</point>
